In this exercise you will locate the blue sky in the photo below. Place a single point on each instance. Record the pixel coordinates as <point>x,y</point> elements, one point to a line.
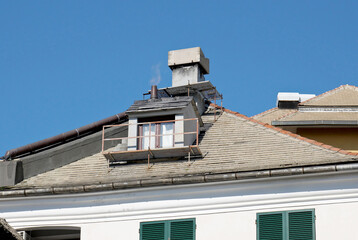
<point>65,64</point>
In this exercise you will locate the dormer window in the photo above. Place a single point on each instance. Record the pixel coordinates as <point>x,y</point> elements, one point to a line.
<point>157,129</point>
<point>153,134</point>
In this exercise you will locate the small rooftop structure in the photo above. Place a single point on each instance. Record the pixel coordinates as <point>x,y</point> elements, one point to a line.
<point>290,100</point>
<point>188,66</point>
<point>188,56</point>
<point>158,128</point>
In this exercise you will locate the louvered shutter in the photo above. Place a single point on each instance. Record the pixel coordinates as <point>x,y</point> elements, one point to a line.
<point>270,226</point>
<point>182,229</point>
<point>152,231</point>
<point>301,225</point>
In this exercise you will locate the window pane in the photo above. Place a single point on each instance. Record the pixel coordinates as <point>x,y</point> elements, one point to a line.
<point>166,129</point>
<point>146,132</point>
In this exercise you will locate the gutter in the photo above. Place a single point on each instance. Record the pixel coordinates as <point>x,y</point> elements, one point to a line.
<point>236,176</point>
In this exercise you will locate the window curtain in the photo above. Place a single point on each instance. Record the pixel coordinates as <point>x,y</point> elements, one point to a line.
<point>146,132</point>
<point>167,129</point>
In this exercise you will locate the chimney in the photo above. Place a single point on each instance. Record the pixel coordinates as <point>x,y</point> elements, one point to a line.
<point>188,66</point>
<point>154,92</point>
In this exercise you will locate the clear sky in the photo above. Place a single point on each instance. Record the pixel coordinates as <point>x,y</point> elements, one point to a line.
<point>65,64</point>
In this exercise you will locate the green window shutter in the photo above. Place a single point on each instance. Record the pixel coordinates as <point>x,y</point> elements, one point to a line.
<point>152,231</point>
<point>301,225</point>
<point>270,226</point>
<point>182,229</point>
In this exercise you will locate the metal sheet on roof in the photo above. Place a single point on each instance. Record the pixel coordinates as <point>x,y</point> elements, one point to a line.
<point>160,104</point>
<point>205,87</point>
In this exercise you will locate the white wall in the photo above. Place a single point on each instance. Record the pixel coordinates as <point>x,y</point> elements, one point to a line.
<point>222,210</point>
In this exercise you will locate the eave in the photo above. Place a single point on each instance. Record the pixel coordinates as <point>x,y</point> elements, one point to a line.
<point>204,178</point>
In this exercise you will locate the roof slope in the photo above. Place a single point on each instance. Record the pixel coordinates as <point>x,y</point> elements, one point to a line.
<point>233,143</point>
<point>327,116</point>
<point>272,115</point>
<point>345,95</point>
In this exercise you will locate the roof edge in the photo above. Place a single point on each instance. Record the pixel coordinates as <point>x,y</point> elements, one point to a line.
<point>265,112</point>
<point>219,177</point>
<point>325,93</point>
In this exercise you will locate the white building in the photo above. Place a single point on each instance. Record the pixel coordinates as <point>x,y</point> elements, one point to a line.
<point>180,167</point>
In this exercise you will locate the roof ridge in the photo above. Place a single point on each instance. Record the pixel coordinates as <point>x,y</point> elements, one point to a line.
<point>295,111</point>
<point>311,141</point>
<point>265,112</point>
<point>328,92</point>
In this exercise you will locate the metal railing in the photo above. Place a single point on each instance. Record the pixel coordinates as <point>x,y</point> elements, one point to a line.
<point>150,135</point>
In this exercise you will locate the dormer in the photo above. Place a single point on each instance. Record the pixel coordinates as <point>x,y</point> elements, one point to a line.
<point>158,128</point>
<point>167,121</point>
<point>167,125</point>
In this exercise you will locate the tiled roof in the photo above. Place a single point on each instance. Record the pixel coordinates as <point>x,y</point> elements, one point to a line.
<point>309,116</point>
<point>234,143</point>
<point>272,115</point>
<point>345,95</point>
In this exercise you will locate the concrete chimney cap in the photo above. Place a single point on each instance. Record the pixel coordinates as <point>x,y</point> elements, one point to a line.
<point>188,56</point>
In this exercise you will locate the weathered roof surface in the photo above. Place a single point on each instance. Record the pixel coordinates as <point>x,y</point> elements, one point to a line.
<point>160,104</point>
<point>345,95</point>
<point>234,143</point>
<point>272,114</point>
<point>309,116</point>
<point>7,232</point>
